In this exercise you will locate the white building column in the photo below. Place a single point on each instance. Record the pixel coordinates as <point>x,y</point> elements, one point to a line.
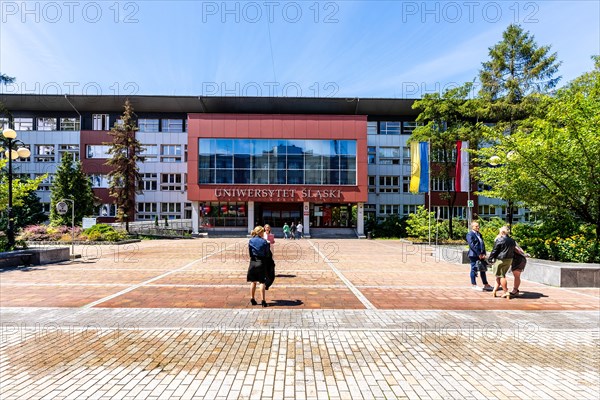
<point>250,216</point>
<point>360,219</point>
<point>306,218</point>
<point>195,217</point>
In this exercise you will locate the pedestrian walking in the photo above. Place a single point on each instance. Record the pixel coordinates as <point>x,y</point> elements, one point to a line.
<point>300,230</point>
<point>293,230</point>
<point>286,231</point>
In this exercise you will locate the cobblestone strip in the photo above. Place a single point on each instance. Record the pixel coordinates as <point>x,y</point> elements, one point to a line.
<point>307,364</point>
<point>368,305</point>
<point>136,286</point>
<point>517,323</point>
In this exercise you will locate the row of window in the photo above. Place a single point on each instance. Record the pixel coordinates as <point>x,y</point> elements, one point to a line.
<point>171,153</point>
<point>391,184</point>
<point>43,124</point>
<point>391,127</point>
<point>100,122</point>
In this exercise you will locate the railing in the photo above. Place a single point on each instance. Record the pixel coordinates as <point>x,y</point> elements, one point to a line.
<point>171,228</point>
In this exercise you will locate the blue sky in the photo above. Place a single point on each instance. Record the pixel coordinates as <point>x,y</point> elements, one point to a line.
<point>398,49</point>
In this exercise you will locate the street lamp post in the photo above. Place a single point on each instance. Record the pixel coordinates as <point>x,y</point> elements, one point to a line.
<point>22,152</point>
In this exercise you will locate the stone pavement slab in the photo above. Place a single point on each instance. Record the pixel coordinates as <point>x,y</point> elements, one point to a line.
<point>348,319</point>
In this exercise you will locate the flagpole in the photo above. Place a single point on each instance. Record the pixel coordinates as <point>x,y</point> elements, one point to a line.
<point>429,185</point>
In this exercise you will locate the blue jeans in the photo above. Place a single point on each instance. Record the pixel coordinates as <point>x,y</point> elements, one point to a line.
<point>474,272</point>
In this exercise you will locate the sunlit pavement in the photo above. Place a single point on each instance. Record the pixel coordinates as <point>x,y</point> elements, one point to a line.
<point>345,319</point>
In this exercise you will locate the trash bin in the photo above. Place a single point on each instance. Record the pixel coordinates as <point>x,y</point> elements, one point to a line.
<point>369,236</point>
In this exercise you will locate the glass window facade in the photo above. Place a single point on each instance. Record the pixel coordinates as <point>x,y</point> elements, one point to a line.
<point>277,161</point>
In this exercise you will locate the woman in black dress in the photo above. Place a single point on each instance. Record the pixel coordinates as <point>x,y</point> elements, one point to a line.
<point>261,262</point>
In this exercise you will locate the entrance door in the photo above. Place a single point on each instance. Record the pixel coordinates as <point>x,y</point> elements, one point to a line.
<point>276,214</point>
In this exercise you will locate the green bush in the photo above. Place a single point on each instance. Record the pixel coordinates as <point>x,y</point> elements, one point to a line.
<point>564,241</point>
<point>104,232</point>
<point>417,224</point>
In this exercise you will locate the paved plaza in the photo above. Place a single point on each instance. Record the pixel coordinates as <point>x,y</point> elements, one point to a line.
<point>364,319</point>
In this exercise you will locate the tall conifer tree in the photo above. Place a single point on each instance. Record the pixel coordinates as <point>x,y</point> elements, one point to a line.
<point>516,72</point>
<point>125,152</point>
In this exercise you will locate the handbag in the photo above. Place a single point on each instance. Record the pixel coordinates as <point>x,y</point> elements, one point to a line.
<point>481,266</point>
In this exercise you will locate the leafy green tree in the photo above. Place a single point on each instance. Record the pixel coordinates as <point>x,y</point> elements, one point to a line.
<point>70,182</point>
<point>21,188</point>
<point>125,151</point>
<point>553,165</point>
<point>446,119</point>
<point>30,212</point>
<point>517,70</point>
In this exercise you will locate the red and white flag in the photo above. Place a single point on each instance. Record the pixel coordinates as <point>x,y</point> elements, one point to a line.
<point>461,181</point>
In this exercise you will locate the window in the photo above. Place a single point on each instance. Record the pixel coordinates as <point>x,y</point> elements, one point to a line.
<point>187,210</point>
<point>438,155</point>
<point>388,209</point>
<point>442,212</point>
<point>409,126</point>
<point>107,210</point>
<point>148,125</point>
<point>372,184</point>
<point>171,182</point>
<point>44,153</point>
<point>100,122</point>
<point>170,210</point>
<point>406,155</point>
<point>277,161</point>
<point>487,210</point>
<point>409,209</point>
<point>70,124</point>
<point>389,184</point>
<point>46,184</point>
<point>150,153</point>
<point>440,185</point>
<point>406,184</point>
<point>46,208</point>
<point>46,124</point>
<point>149,181</point>
<point>372,153</point>
<point>70,149</point>
<point>172,125</point>
<point>389,128</point>
<point>372,128</point>
<point>389,155</point>
<point>99,181</point>
<point>4,123</point>
<point>97,151</point>
<point>146,211</point>
<point>170,153</point>
<point>23,124</point>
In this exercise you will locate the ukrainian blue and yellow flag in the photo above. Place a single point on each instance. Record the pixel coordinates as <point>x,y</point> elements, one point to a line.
<point>419,171</point>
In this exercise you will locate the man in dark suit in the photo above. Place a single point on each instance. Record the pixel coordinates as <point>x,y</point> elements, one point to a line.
<point>477,252</point>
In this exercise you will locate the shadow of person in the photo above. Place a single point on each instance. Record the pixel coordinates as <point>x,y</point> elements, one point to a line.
<point>285,276</point>
<point>530,295</point>
<point>285,303</point>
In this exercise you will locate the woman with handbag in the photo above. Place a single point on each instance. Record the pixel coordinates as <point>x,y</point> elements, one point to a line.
<point>261,265</point>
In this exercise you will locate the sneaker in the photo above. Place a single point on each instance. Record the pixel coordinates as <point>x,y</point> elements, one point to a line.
<point>487,288</point>
<point>475,287</point>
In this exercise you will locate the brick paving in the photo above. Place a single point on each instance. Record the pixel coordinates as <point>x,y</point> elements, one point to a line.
<point>346,319</point>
